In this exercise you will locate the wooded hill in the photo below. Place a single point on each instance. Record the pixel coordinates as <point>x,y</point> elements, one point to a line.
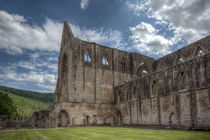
<point>43,97</point>
<point>28,102</point>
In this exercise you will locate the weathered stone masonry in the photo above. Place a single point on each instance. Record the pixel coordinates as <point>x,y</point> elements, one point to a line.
<point>98,85</point>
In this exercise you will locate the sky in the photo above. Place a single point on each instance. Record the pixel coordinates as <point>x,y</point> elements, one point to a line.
<point>31,30</point>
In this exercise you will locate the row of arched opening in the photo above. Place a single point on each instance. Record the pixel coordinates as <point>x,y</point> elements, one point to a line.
<point>198,53</point>
<point>156,87</point>
<point>88,59</point>
<point>142,69</point>
<point>64,119</point>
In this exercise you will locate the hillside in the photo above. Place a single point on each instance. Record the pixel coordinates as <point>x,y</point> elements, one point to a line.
<point>28,102</point>
<point>43,97</point>
<point>26,107</point>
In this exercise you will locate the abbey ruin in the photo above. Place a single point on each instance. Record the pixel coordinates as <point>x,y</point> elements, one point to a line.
<point>98,85</point>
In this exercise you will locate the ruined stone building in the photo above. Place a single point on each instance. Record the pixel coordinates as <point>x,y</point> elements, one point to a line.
<point>98,85</point>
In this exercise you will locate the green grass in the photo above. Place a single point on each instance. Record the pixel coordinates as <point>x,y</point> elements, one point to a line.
<point>103,133</point>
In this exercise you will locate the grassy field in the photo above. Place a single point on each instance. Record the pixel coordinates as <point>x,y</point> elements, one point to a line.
<point>103,133</point>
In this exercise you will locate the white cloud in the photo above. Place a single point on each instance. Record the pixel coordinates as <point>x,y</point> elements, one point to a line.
<point>40,78</point>
<point>146,39</point>
<point>101,36</point>
<point>84,4</point>
<point>16,34</point>
<point>37,71</point>
<point>187,19</point>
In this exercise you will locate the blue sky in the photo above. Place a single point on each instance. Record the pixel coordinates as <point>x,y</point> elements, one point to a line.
<point>30,32</point>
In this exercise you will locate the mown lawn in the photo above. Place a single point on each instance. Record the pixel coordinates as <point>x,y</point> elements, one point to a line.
<point>103,133</point>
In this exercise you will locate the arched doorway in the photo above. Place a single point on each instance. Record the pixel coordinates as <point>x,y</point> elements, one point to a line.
<point>171,119</point>
<point>118,118</point>
<point>63,119</point>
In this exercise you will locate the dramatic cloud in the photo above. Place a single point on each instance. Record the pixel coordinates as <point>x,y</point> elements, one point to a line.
<point>33,71</point>
<point>146,39</point>
<point>187,19</point>
<point>16,34</point>
<point>84,4</point>
<point>102,36</point>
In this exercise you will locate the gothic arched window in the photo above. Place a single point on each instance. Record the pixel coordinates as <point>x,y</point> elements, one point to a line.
<point>142,70</point>
<point>123,64</point>
<point>87,57</point>
<point>199,52</point>
<point>105,61</point>
<point>179,59</point>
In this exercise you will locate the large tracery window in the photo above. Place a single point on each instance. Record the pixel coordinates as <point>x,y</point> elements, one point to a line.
<point>87,57</point>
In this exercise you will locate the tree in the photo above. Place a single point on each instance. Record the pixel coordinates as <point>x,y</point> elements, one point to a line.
<point>7,106</point>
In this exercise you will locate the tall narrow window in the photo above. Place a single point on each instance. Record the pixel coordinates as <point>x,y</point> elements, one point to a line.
<point>105,61</point>
<point>154,88</point>
<point>122,64</point>
<point>87,57</point>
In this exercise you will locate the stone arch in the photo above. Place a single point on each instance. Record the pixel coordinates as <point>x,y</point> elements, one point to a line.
<point>134,91</point>
<point>63,119</point>
<point>105,61</point>
<point>183,80</point>
<point>87,57</point>
<point>179,59</point>
<point>142,70</point>
<point>199,52</point>
<point>154,88</point>
<point>86,120</point>
<point>123,64</point>
<point>171,119</point>
<point>118,118</point>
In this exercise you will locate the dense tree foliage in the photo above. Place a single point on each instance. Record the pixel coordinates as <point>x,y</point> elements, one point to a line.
<point>26,107</point>
<point>44,97</point>
<point>20,104</point>
<point>7,106</point>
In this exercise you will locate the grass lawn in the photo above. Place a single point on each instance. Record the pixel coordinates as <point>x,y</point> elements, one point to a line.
<point>103,133</point>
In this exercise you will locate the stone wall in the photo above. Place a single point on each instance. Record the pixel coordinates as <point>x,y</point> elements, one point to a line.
<point>82,75</point>
<point>98,85</point>
<point>176,96</point>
